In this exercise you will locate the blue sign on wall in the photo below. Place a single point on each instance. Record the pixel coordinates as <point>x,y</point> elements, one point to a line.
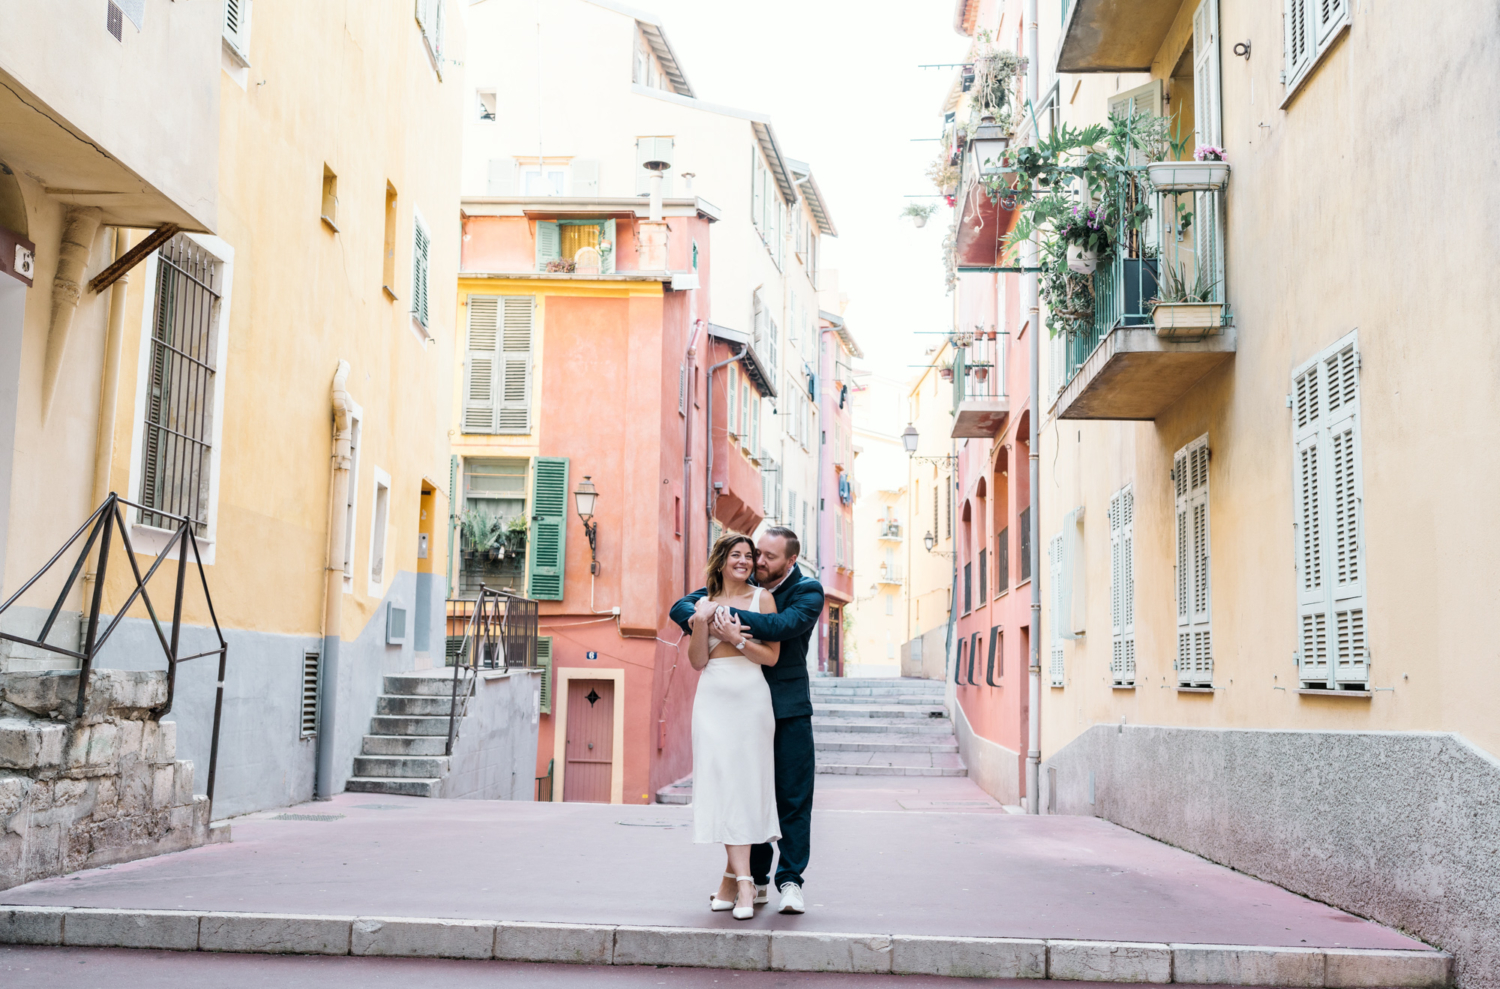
<point>591,655</point>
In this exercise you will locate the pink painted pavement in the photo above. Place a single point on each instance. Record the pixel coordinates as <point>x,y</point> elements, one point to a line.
<point>891,855</point>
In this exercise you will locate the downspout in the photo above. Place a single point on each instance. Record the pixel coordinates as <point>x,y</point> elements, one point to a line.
<point>688,366</point>
<point>109,393</point>
<point>818,489</point>
<point>1033,309</point>
<point>79,225</point>
<point>333,589</point>
<point>708,494</point>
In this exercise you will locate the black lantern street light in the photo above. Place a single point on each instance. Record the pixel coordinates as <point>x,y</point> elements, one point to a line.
<point>584,498</point>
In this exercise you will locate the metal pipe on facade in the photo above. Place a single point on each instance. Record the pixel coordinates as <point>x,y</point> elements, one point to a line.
<point>1033,310</point>
<point>708,494</point>
<point>333,589</point>
<point>688,367</point>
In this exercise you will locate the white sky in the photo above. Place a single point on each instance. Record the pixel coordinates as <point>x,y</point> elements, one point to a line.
<point>839,80</point>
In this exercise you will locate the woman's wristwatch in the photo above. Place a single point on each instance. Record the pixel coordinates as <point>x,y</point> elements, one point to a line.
<point>740,645</point>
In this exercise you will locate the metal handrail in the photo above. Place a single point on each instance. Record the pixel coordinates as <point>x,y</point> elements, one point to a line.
<point>101,527</point>
<point>500,632</point>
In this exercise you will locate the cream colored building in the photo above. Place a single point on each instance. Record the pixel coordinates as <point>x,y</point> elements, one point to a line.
<point>308,157</point>
<point>1265,614</point>
<point>880,619</point>
<point>930,512</point>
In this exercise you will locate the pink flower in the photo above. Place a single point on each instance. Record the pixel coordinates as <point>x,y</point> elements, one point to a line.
<point>1209,152</point>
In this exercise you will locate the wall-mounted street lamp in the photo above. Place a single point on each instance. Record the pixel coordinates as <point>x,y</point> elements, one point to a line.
<point>929,541</point>
<point>909,441</point>
<point>584,498</point>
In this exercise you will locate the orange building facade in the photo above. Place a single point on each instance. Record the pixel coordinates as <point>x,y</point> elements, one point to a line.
<point>597,373</point>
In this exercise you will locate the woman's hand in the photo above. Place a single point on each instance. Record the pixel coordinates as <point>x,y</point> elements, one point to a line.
<point>703,610</point>
<point>727,628</point>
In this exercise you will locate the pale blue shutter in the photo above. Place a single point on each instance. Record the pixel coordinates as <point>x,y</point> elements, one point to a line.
<point>549,507</point>
<point>548,243</point>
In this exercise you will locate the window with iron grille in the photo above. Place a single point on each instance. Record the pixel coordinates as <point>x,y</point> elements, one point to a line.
<point>1002,562</point>
<point>983,576</point>
<point>968,587</point>
<point>1025,521</point>
<point>176,451</point>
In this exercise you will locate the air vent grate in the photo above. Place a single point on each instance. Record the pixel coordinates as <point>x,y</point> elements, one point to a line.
<point>310,663</point>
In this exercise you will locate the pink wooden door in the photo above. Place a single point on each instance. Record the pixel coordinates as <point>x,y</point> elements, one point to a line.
<point>591,730</point>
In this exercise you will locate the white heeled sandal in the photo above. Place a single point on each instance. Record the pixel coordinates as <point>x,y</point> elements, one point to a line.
<point>745,913</point>
<point>717,905</point>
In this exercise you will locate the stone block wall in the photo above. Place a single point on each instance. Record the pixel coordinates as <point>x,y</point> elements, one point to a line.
<point>82,792</point>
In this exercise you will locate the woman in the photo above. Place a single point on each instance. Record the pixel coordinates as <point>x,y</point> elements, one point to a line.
<point>734,782</point>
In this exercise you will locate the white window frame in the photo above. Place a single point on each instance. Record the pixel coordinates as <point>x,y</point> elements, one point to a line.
<point>541,170</point>
<point>429,15</point>
<point>1323,21</point>
<point>1193,564</point>
<point>149,540</point>
<point>494,95</point>
<point>237,43</point>
<point>351,507</point>
<point>1332,611</point>
<point>380,534</point>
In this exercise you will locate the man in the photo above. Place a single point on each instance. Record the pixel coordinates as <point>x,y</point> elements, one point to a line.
<point>799,603</point>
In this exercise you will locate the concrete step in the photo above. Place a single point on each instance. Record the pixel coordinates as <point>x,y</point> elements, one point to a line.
<point>845,769</point>
<point>398,725</point>
<point>405,744</point>
<point>680,792</point>
<point>405,767</point>
<point>406,786</point>
<point>417,706</point>
<point>904,726</point>
<point>415,685</point>
<point>850,742</point>
<point>822,697</point>
<point>878,710</point>
<point>913,683</point>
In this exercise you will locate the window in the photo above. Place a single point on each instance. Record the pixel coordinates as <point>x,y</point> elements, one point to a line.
<point>420,261</point>
<point>1025,522</point>
<point>588,244</point>
<point>1311,28</point>
<point>968,588</point>
<point>983,575</point>
<point>180,373</point>
<point>1122,587</point>
<point>545,179</point>
<point>114,21</point>
<point>1195,664</point>
<point>379,521</point>
<point>497,364</point>
<point>388,263</point>
<point>989,670</point>
<point>237,27</point>
<point>330,199</point>
<point>732,389</point>
<point>1002,562</point>
<point>430,19</point>
<point>488,104</point>
<point>653,149</point>
<point>1059,621</point>
<point>494,525</point>
<point>890,604</point>
<point>1328,520</point>
<point>770,474</point>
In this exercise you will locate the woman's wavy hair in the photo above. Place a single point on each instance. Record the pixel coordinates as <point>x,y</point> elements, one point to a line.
<point>719,556</point>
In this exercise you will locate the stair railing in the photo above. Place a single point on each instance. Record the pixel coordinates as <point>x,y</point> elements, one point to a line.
<point>105,524</point>
<point>500,634</point>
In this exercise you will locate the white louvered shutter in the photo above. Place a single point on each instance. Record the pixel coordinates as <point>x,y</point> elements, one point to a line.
<point>1194,592</point>
<point>755,188</point>
<point>1328,15</point>
<point>237,24</point>
<point>1055,559</point>
<point>515,346</point>
<point>1329,520</point>
<point>1207,130</point>
<point>1299,39</point>
<point>420,262</point>
<point>481,362</point>
<point>1122,587</point>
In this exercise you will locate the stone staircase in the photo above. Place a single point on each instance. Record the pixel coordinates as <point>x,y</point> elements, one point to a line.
<point>403,753</point>
<point>883,727</point>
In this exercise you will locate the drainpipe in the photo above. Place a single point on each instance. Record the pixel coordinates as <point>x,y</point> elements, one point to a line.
<point>333,590</point>
<point>1033,309</point>
<point>79,225</point>
<point>708,494</point>
<point>688,365</point>
<point>109,393</point>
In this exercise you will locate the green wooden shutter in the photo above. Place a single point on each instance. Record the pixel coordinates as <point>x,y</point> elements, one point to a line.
<point>549,506</point>
<point>514,406</point>
<point>548,243</point>
<point>544,660</point>
<point>480,363</point>
<point>607,260</point>
<point>421,246</point>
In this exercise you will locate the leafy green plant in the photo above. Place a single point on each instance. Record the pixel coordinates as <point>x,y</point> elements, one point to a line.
<point>1174,285</point>
<point>924,210</point>
<point>480,531</point>
<point>515,533</point>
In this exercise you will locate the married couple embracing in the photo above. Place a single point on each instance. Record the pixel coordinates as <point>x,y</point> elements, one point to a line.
<point>753,760</point>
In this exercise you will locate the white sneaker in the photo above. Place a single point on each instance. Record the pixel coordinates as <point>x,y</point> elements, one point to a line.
<point>791,899</point>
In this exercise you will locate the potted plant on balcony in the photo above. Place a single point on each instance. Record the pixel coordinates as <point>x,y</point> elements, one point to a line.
<point>1208,170</point>
<point>945,371</point>
<point>981,372</point>
<point>1086,236</point>
<point>480,533</point>
<point>515,535</point>
<point>1183,309</point>
<point>919,213</point>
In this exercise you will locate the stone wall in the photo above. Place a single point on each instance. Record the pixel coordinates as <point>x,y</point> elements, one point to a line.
<point>82,792</point>
<point>1399,827</point>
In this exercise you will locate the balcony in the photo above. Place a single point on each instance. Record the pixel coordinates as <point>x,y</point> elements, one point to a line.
<point>890,573</point>
<point>1113,36</point>
<point>888,530</point>
<point>1135,359</point>
<point>980,405</point>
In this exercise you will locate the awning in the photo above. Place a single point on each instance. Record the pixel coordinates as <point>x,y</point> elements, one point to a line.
<point>1115,35</point>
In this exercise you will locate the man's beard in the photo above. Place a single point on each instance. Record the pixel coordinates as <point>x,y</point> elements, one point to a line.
<point>770,578</point>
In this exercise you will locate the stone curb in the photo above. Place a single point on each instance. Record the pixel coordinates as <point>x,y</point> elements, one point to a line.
<point>756,950</point>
